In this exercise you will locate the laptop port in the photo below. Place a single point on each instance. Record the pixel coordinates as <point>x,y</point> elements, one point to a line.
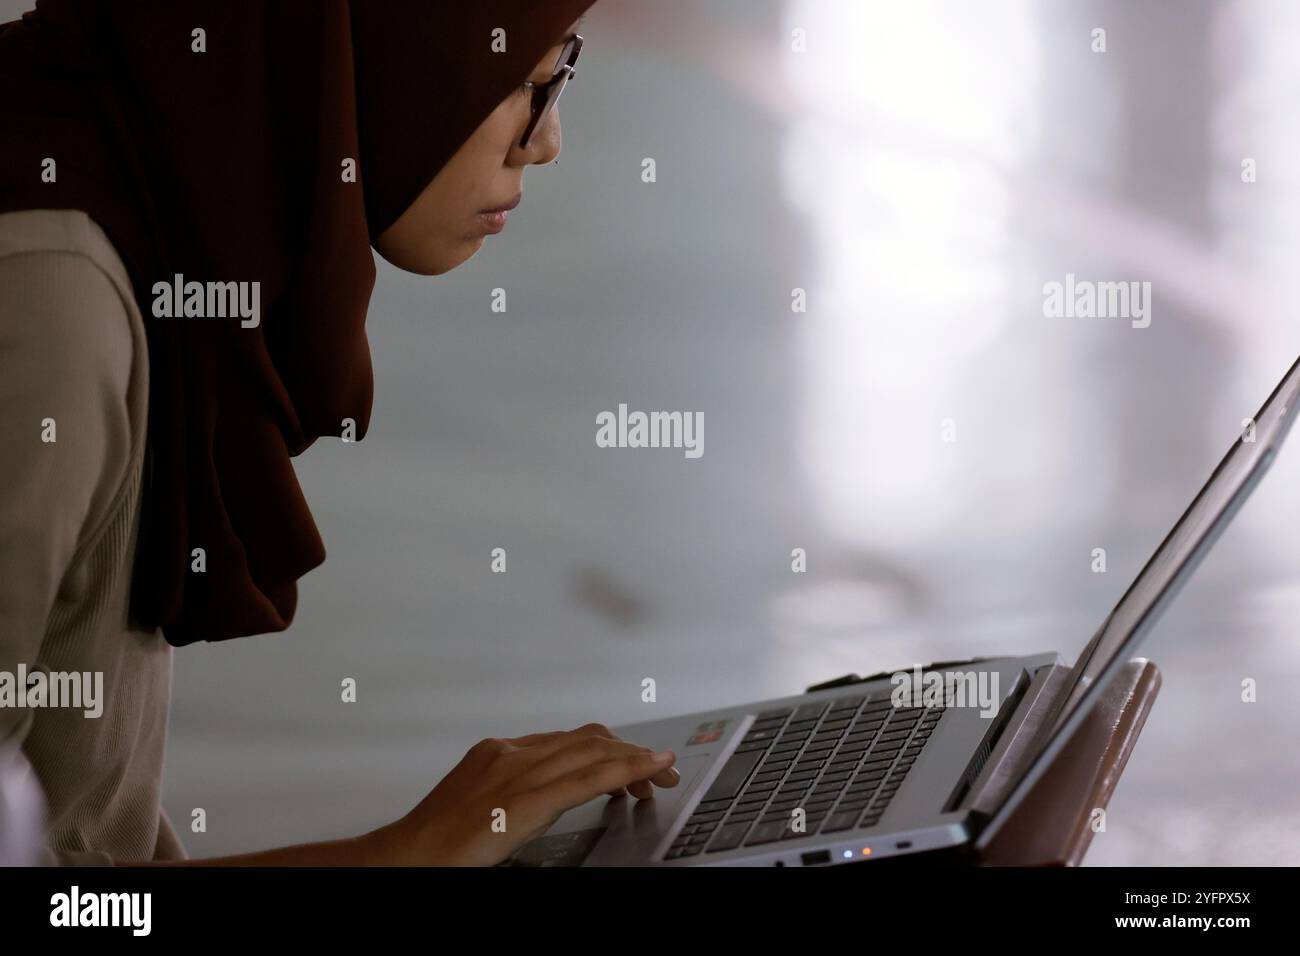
<point>816,858</point>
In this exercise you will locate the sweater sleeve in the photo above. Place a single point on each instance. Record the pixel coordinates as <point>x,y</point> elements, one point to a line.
<point>65,450</point>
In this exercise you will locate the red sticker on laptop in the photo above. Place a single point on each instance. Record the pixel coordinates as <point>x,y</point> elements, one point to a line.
<point>709,732</point>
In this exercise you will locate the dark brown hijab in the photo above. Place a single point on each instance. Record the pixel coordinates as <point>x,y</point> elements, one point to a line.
<point>227,165</point>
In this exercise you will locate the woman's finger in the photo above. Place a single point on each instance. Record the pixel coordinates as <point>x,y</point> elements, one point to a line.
<point>530,740</point>
<point>546,744</point>
<point>576,753</point>
<point>641,789</point>
<point>588,782</point>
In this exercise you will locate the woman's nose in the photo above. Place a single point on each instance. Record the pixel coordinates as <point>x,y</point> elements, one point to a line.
<point>544,145</point>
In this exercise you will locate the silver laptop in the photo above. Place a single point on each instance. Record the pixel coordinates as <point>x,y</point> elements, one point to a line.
<point>864,768</point>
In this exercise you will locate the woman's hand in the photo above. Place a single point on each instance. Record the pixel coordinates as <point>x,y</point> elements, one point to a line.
<point>508,790</point>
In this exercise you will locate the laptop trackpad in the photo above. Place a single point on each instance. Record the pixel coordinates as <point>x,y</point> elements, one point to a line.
<point>689,768</point>
<point>571,848</point>
<point>558,849</point>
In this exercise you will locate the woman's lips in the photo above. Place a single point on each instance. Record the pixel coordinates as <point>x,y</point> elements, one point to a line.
<point>494,220</point>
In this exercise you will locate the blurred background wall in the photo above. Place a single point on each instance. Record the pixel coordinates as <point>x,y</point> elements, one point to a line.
<point>921,170</point>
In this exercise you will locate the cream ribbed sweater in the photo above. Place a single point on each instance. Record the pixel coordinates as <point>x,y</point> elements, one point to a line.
<point>73,352</point>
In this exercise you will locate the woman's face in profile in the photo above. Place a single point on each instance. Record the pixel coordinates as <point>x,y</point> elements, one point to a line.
<point>465,202</point>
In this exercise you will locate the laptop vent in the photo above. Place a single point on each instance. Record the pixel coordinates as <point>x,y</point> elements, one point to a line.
<point>985,749</point>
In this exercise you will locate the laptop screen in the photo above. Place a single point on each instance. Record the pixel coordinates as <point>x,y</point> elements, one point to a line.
<point>1229,485</point>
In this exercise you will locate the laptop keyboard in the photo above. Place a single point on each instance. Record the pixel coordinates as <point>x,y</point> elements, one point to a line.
<point>841,761</point>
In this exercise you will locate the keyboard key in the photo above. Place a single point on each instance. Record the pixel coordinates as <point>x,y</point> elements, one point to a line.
<point>854,796</point>
<point>733,776</point>
<point>702,818</point>
<point>765,833</point>
<point>840,821</point>
<point>808,711</point>
<point>729,837</point>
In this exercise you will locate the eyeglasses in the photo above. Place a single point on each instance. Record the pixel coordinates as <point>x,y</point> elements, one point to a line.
<point>546,94</point>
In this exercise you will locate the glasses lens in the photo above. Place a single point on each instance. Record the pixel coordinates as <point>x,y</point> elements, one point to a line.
<point>569,55</point>
<point>553,94</point>
<point>550,94</point>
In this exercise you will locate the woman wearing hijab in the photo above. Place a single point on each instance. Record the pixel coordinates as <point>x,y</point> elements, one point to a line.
<point>188,203</point>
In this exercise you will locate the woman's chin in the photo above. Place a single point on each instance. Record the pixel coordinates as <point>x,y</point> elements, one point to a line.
<point>428,261</point>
